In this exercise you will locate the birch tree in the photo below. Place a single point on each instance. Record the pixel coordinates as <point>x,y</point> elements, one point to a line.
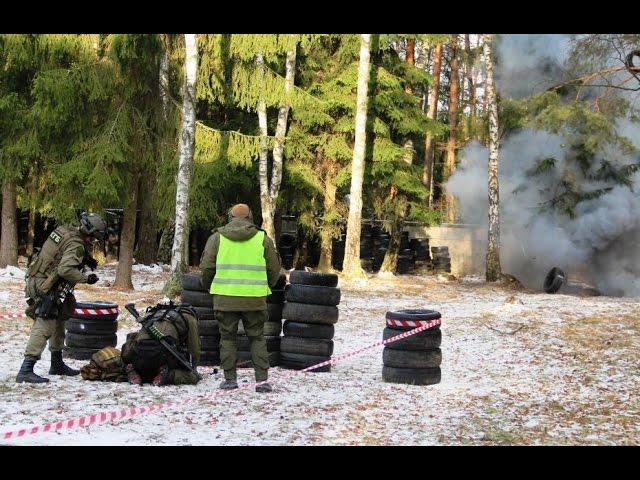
<point>493,272</point>
<point>427,177</point>
<point>185,163</point>
<point>269,190</point>
<point>351,265</point>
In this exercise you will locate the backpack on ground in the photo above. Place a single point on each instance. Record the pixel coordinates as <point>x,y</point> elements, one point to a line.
<point>106,365</point>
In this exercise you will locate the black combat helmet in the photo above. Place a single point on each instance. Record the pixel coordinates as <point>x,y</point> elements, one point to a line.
<point>92,224</point>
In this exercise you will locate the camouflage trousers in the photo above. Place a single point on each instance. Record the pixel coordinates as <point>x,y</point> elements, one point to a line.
<point>43,330</point>
<point>253,323</point>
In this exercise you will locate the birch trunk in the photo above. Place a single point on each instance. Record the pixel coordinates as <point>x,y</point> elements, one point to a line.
<point>468,70</point>
<point>351,266</point>
<point>9,234</point>
<point>185,164</point>
<point>493,248</point>
<point>263,164</point>
<point>450,160</point>
<point>164,76</point>
<point>127,239</point>
<point>427,176</point>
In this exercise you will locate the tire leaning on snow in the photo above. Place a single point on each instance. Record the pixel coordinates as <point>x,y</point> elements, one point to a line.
<point>307,313</point>
<point>313,294</point>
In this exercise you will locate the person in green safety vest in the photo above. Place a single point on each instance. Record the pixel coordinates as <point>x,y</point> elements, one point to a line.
<point>239,265</point>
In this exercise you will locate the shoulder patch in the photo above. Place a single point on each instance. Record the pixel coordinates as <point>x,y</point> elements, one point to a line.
<point>55,237</point>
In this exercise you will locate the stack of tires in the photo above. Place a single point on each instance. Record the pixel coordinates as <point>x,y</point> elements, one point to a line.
<point>441,260</point>
<point>338,245</point>
<point>272,330</point>
<point>92,327</point>
<point>194,294</point>
<point>416,359</point>
<point>310,312</point>
<point>287,250</point>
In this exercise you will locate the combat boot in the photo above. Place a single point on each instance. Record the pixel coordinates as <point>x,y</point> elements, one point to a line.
<point>163,377</point>
<point>133,376</point>
<point>58,367</point>
<point>264,388</point>
<point>26,372</point>
<point>229,385</point>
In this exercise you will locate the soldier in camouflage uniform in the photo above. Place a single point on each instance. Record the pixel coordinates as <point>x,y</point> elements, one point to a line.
<point>147,361</point>
<point>62,257</point>
<point>238,264</point>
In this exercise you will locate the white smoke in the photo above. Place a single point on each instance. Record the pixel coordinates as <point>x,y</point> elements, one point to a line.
<point>602,241</point>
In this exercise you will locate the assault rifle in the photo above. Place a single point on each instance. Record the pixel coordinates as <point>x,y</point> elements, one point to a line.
<point>54,298</point>
<point>147,324</point>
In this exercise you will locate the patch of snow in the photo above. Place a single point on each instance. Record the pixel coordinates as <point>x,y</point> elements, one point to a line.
<point>12,272</point>
<point>153,268</point>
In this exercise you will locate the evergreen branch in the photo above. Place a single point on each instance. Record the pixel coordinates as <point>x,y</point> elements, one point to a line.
<point>232,132</point>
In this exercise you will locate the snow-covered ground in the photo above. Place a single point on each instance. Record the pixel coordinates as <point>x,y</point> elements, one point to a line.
<point>518,368</point>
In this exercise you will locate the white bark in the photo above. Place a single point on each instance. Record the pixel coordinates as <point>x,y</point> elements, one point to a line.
<point>263,163</point>
<point>187,142</point>
<point>351,265</point>
<point>493,248</point>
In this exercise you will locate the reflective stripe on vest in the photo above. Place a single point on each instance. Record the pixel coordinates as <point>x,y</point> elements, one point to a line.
<point>241,269</point>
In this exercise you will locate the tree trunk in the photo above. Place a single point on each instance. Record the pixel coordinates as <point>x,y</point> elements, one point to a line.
<point>427,177</point>
<point>185,164</point>
<point>390,262</point>
<point>450,160</point>
<point>410,58</point>
<point>147,236</point>
<point>281,129</point>
<point>351,265</point>
<point>9,234</point>
<point>31,230</point>
<point>468,71</point>
<point>493,247</point>
<point>164,76</point>
<point>127,239</point>
<point>263,163</point>
<point>326,237</point>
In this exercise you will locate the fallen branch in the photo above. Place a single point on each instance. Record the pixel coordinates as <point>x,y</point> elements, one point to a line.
<point>502,331</point>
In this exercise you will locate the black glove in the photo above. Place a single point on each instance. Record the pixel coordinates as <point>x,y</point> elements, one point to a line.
<point>90,262</point>
<point>92,278</point>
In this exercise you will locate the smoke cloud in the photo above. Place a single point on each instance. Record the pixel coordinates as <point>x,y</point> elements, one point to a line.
<point>602,242</point>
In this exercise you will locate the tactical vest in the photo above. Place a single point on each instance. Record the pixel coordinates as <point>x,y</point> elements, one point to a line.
<point>106,365</point>
<point>241,269</point>
<point>43,264</point>
<point>173,325</point>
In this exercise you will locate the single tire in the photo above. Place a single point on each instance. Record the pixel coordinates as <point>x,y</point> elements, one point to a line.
<point>197,299</point>
<point>209,358</point>
<point>271,329</point>
<point>413,314</point>
<point>80,340</point>
<point>193,282</point>
<point>204,313</point>
<point>245,359</point>
<point>554,280</point>
<point>91,326</point>
<point>207,328</point>
<point>210,343</point>
<point>307,346</point>
<point>411,376</point>
<point>313,294</point>
<point>243,343</point>
<point>302,277</point>
<point>425,340</point>
<point>307,313</point>
<point>308,330</point>
<point>96,310</point>
<point>275,312</point>
<point>412,359</point>
<point>80,353</point>
<point>276,297</point>
<point>297,361</point>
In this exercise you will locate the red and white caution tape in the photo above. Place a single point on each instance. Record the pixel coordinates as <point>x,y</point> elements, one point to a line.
<point>87,312</point>
<point>408,323</point>
<point>103,417</point>
<point>12,315</point>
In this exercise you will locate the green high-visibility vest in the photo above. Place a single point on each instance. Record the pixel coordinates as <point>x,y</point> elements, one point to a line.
<point>241,269</point>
